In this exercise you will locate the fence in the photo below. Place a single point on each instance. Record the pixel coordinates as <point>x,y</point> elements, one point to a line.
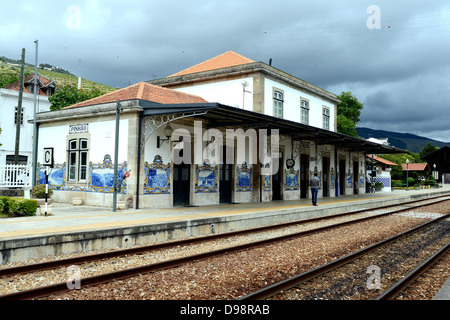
<point>15,176</point>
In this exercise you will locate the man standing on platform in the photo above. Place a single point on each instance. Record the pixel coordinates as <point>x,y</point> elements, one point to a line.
<point>314,183</point>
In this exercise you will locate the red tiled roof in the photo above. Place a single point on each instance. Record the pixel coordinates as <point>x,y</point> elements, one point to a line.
<point>30,79</point>
<point>416,166</point>
<point>227,59</point>
<point>376,158</point>
<point>143,91</point>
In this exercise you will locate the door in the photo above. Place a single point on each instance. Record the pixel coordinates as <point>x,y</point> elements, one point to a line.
<point>342,177</point>
<point>277,180</point>
<point>355,177</point>
<point>304,167</point>
<point>225,179</point>
<point>181,184</point>
<point>325,176</point>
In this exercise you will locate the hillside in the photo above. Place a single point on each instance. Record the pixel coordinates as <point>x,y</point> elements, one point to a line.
<point>10,73</point>
<point>406,141</point>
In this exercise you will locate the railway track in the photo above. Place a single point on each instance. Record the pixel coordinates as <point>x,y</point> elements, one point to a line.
<point>101,278</point>
<point>359,275</point>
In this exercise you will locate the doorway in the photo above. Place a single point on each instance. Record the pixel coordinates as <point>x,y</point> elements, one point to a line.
<point>277,180</point>
<point>304,167</point>
<point>325,176</point>
<point>342,177</point>
<point>225,179</point>
<point>181,184</point>
<point>355,177</point>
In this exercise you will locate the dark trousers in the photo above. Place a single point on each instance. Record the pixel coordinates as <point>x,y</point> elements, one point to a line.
<point>314,192</point>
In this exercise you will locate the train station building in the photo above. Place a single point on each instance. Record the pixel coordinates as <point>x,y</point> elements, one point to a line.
<point>228,130</point>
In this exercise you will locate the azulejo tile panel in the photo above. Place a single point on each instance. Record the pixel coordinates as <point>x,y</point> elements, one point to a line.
<point>244,178</point>
<point>267,181</point>
<point>206,178</point>
<point>100,178</point>
<point>157,177</point>
<point>291,180</point>
<point>56,176</point>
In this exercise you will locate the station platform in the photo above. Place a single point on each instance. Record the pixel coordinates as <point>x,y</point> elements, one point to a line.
<point>72,229</point>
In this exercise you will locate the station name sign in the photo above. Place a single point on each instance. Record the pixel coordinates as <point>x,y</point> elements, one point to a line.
<point>78,128</point>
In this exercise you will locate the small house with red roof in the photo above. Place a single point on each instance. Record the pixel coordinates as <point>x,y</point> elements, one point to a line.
<point>379,170</point>
<point>9,100</point>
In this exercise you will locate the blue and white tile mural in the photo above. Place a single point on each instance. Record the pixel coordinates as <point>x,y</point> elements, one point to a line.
<point>56,176</point>
<point>206,178</point>
<point>349,179</point>
<point>361,179</point>
<point>157,177</point>
<point>291,179</point>
<point>267,181</point>
<point>101,177</point>
<point>244,178</point>
<point>332,177</point>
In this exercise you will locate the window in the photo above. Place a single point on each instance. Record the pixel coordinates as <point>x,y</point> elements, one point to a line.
<point>304,111</point>
<point>326,118</point>
<point>21,115</point>
<point>278,104</point>
<point>77,159</point>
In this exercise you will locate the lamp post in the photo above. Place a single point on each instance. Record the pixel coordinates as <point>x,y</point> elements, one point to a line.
<point>434,175</point>
<point>407,163</point>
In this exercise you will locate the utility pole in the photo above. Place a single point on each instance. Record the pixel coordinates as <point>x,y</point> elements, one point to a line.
<point>35,141</point>
<point>19,108</point>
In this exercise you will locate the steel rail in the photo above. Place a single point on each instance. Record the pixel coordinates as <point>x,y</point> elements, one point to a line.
<point>165,245</point>
<point>401,285</point>
<point>272,290</point>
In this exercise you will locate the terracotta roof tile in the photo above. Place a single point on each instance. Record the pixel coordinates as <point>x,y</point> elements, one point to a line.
<point>30,79</point>
<point>416,166</point>
<point>227,59</point>
<point>376,158</point>
<point>143,91</point>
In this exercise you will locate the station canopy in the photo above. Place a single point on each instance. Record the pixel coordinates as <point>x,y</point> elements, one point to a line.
<point>222,116</point>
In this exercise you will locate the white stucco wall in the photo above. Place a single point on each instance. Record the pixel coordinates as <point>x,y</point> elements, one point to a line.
<point>291,106</point>
<point>228,92</point>
<point>104,132</point>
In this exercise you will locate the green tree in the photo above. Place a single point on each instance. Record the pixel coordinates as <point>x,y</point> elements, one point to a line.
<point>427,149</point>
<point>67,95</point>
<point>348,113</point>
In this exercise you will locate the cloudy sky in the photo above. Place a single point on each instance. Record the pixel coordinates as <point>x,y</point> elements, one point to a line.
<point>394,56</point>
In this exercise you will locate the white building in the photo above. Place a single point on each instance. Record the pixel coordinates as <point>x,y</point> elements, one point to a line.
<point>234,80</point>
<point>9,99</point>
<point>179,148</point>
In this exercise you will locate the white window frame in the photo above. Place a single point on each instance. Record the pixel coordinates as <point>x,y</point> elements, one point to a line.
<point>304,111</point>
<point>77,158</point>
<point>326,118</point>
<point>278,103</point>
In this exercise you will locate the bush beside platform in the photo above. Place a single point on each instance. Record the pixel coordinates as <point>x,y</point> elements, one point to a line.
<point>18,207</point>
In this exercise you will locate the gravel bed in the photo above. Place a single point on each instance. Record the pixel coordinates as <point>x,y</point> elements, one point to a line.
<point>427,285</point>
<point>393,261</point>
<point>234,275</point>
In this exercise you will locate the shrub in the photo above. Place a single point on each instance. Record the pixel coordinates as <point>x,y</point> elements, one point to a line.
<point>4,205</point>
<point>38,191</point>
<point>22,207</point>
